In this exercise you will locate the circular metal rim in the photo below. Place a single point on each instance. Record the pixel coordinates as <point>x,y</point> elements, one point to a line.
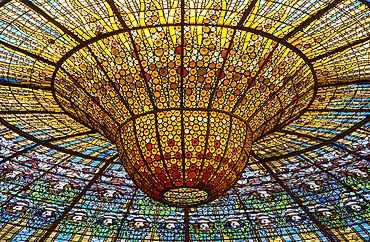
<point>163,200</point>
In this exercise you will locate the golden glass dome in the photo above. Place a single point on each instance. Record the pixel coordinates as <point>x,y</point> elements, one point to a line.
<point>196,133</point>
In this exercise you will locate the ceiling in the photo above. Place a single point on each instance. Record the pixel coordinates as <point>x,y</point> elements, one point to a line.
<point>62,180</point>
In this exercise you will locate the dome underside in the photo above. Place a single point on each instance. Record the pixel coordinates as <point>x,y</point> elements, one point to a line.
<point>106,83</point>
<point>62,181</point>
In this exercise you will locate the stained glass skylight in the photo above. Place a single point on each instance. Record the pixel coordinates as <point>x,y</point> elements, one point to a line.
<point>184,120</point>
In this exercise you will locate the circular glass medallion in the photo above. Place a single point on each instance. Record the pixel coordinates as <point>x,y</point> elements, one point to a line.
<point>185,197</point>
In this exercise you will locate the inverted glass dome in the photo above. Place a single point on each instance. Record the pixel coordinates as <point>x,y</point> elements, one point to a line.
<point>184,120</point>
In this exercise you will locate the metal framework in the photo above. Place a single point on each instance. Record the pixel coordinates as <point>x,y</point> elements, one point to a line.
<point>182,92</point>
<point>347,187</point>
<point>319,166</point>
<point>347,82</point>
<point>341,49</point>
<point>25,150</point>
<point>34,56</point>
<point>228,49</point>
<point>77,199</point>
<point>125,216</point>
<point>44,143</point>
<point>19,85</point>
<point>123,100</point>
<point>340,110</point>
<point>296,199</point>
<point>339,136</point>
<point>31,112</point>
<point>186,225</point>
<point>312,19</point>
<point>249,220</point>
<point>3,2</point>
<point>28,185</point>
<point>22,151</point>
<point>51,20</point>
<point>88,94</point>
